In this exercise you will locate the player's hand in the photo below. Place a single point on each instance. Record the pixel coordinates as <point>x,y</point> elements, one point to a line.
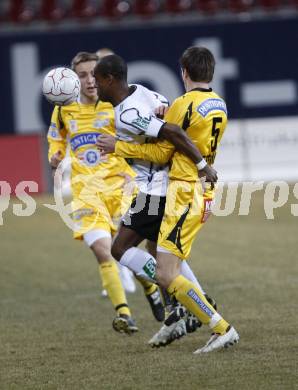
<point>161,111</point>
<point>106,144</point>
<point>126,176</point>
<point>56,159</point>
<point>210,174</point>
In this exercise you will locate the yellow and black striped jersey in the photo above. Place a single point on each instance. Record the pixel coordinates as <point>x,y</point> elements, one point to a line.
<point>203,115</point>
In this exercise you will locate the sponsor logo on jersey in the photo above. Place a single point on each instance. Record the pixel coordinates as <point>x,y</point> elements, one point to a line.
<point>73,125</point>
<point>194,296</point>
<point>133,118</point>
<point>101,123</point>
<point>211,105</point>
<point>150,268</point>
<point>78,214</point>
<point>207,209</point>
<point>53,132</point>
<point>141,123</point>
<point>83,139</point>
<point>102,113</point>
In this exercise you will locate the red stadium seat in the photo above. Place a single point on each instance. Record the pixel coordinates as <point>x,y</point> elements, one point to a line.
<point>83,9</point>
<point>146,8</point>
<point>209,6</point>
<point>270,4</point>
<point>115,8</point>
<point>177,6</point>
<point>20,11</point>
<point>51,11</point>
<point>240,5</point>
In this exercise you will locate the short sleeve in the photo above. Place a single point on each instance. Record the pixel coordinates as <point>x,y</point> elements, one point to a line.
<point>161,99</point>
<point>141,124</point>
<point>56,134</point>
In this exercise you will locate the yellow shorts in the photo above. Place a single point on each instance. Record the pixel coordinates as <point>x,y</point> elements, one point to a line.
<point>187,209</point>
<point>93,208</point>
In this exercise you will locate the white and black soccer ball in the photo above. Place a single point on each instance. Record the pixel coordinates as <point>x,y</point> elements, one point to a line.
<point>61,86</point>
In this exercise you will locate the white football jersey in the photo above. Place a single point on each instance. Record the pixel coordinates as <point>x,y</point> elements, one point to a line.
<point>136,122</point>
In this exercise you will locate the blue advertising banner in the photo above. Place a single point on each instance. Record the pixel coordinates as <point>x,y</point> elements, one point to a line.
<point>257,65</point>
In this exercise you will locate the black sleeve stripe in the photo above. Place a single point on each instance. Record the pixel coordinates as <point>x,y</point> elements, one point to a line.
<point>61,124</point>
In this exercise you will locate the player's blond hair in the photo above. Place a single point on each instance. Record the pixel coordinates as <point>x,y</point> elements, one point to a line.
<point>83,56</point>
<point>104,51</point>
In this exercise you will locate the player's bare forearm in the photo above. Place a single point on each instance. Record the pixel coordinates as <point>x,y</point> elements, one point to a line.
<point>184,144</point>
<point>180,140</point>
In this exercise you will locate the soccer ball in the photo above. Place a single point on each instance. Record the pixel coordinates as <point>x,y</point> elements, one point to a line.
<point>61,86</point>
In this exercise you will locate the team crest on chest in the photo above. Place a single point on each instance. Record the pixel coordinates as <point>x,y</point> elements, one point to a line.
<point>90,157</point>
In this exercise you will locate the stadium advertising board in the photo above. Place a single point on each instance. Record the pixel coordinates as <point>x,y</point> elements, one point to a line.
<point>256,79</point>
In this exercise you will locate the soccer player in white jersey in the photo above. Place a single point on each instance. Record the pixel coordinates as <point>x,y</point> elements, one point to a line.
<point>125,273</point>
<point>204,115</point>
<point>134,122</point>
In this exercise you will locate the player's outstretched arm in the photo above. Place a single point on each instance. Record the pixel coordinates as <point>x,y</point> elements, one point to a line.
<point>176,136</point>
<point>159,152</point>
<point>56,139</point>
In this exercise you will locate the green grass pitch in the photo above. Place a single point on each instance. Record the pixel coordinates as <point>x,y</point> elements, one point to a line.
<point>55,329</point>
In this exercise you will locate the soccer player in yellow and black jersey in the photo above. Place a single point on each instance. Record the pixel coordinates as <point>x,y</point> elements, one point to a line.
<point>97,183</point>
<point>203,116</point>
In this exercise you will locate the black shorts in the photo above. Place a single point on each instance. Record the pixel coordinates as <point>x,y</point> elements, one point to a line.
<point>145,215</point>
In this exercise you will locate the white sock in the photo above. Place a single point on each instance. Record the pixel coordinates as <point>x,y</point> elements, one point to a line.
<point>144,265</point>
<point>140,262</point>
<point>127,278</point>
<point>187,272</point>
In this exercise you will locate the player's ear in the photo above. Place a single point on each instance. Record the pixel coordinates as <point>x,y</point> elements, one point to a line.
<point>183,73</point>
<point>110,79</point>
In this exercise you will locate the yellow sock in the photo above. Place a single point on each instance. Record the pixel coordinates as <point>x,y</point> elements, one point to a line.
<point>220,327</point>
<point>111,282</point>
<point>192,298</point>
<point>148,287</point>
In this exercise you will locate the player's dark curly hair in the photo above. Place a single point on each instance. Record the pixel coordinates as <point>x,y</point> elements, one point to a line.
<point>112,65</point>
<point>199,63</point>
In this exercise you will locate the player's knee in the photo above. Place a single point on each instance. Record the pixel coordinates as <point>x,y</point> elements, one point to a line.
<point>117,250</point>
<point>119,247</point>
<point>162,277</point>
<point>102,252</point>
<point>151,247</point>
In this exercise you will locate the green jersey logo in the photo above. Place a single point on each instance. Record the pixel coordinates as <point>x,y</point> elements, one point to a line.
<point>141,123</point>
<point>150,268</point>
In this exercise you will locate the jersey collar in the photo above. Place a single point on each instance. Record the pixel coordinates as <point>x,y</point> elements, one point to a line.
<point>131,89</point>
<point>201,90</point>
